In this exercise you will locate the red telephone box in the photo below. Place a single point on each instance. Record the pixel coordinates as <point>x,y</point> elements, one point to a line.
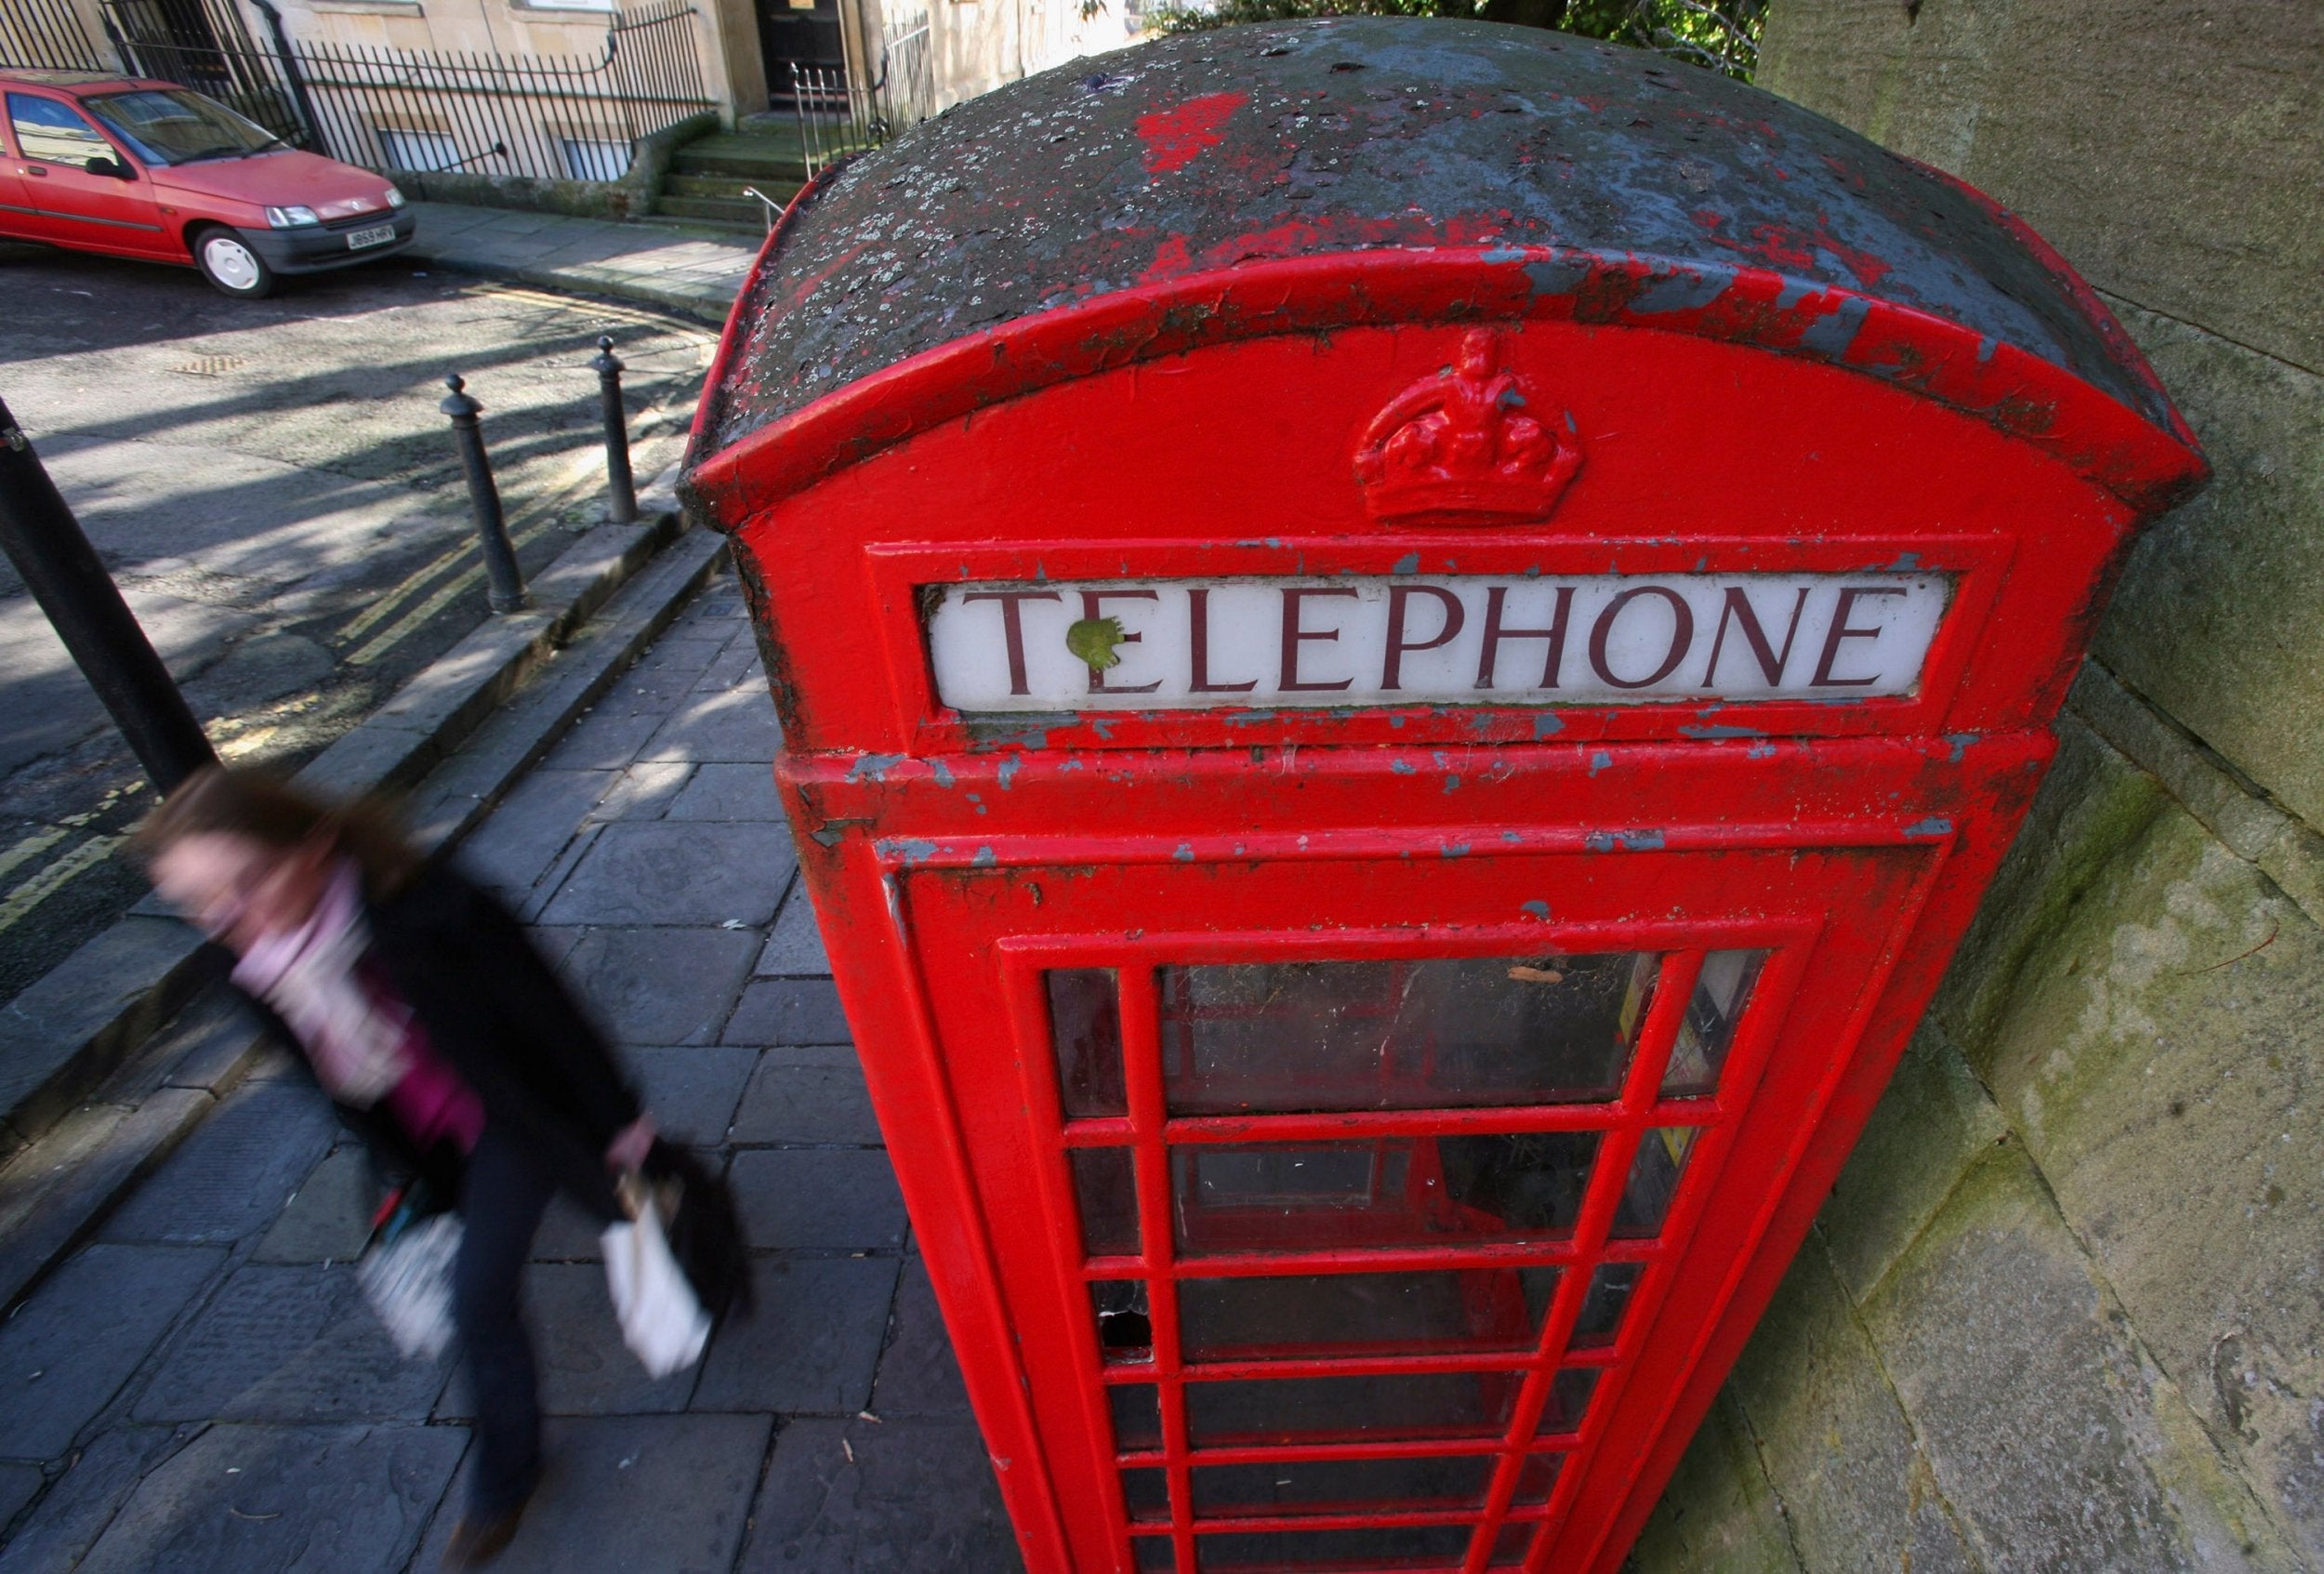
<point>1403,648</point>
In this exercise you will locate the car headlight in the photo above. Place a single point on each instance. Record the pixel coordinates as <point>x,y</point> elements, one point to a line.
<point>395,198</point>
<point>285,218</point>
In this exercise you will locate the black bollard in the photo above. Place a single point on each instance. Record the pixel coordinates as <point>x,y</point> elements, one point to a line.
<point>507,592</point>
<point>66,577</point>
<point>625,490</point>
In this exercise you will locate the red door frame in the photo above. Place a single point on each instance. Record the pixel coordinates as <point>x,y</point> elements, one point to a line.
<point>896,977</point>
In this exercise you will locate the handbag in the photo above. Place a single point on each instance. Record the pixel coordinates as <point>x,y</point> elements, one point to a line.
<point>405,1272</point>
<point>705,1229</point>
<point>662,1319</point>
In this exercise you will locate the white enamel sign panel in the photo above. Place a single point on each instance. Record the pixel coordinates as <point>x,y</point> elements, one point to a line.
<point>1453,640</point>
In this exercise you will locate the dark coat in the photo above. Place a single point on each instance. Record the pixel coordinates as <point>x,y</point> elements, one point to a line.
<point>497,1015</point>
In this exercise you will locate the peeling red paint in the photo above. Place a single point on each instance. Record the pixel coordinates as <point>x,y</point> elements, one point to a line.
<point>1174,137</point>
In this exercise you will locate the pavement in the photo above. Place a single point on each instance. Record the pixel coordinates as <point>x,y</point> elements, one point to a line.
<point>696,272</point>
<point>275,490</point>
<point>200,1387</point>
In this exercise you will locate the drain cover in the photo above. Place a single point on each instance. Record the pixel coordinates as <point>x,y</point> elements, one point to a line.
<point>209,366</point>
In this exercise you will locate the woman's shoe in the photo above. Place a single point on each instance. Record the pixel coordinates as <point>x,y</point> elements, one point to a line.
<point>479,1538</point>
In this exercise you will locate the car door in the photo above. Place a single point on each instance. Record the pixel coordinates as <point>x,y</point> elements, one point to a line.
<point>71,206</point>
<point>17,218</point>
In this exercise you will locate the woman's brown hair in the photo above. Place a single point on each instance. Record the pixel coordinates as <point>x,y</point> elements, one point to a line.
<point>219,800</point>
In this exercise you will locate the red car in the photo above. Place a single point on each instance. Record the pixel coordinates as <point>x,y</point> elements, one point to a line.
<point>149,169</point>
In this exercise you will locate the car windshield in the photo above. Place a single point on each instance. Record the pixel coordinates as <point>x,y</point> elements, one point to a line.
<point>172,125</point>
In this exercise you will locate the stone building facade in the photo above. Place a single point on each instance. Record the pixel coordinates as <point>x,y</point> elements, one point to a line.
<point>2065,1311</point>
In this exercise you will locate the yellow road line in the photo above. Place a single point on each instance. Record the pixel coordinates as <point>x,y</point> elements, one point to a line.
<point>33,892</point>
<point>388,598</point>
<point>681,326</point>
<point>411,622</point>
<point>39,841</point>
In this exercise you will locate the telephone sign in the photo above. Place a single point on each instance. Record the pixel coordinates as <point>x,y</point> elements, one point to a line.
<point>1403,647</point>
<point>1176,644</point>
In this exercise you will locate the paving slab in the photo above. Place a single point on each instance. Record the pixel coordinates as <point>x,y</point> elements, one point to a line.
<point>918,1374</point>
<point>606,739</point>
<point>268,1500</point>
<point>584,1367</point>
<point>737,666</point>
<point>789,1011</point>
<point>79,1504</point>
<point>19,1483</point>
<point>735,725</point>
<point>289,1344</point>
<point>644,790</point>
<point>795,948</point>
<point>810,1346</point>
<point>805,1104</point>
<point>68,1349</point>
<point>666,873</point>
<point>328,1219</point>
<point>654,1494</point>
<point>568,1234</point>
<point>530,828</point>
<point>692,1091</point>
<point>805,1199</point>
<point>231,1177</point>
<point>661,986</point>
<point>729,792</point>
<point>903,1497</point>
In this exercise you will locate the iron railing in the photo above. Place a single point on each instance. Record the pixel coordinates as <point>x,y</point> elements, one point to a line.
<point>441,111</point>
<point>836,117</point>
<point>47,35</point>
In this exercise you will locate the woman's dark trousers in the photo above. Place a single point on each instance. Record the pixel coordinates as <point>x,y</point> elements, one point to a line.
<point>502,1195</point>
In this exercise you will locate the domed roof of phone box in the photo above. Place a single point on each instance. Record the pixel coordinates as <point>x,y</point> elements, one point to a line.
<point>1132,205</point>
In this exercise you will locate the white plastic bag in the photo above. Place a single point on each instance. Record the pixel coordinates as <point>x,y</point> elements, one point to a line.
<point>662,1319</point>
<point>408,1282</point>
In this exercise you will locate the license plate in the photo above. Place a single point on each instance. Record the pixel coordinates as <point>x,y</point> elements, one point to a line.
<point>358,239</point>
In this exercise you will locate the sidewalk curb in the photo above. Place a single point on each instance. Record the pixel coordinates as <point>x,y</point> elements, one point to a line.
<point>473,720</point>
<point>709,307</point>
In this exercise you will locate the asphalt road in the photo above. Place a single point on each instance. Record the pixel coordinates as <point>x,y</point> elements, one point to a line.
<point>272,485</point>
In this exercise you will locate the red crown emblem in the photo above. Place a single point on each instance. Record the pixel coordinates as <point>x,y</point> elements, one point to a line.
<point>1460,447</point>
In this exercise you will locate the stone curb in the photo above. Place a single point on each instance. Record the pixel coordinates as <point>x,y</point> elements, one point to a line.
<point>79,1143</point>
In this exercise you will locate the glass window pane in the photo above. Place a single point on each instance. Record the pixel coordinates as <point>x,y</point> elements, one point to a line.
<point>1313,1410</point>
<point>1108,1199</point>
<point>1437,1312</point>
<point>1569,1401</point>
<point>47,132</point>
<point>1511,1546</point>
<point>1295,1036</point>
<point>1603,1308</point>
<point>1085,1023</point>
<point>1137,1415</point>
<point>1153,1554</point>
<point>1536,1476</point>
<point>1343,1485</point>
<point>1147,1491</point>
<point>1654,1180</point>
<point>1125,1332</point>
<point>1398,1191</point>
<point>1387,1546</point>
<point>1721,990</point>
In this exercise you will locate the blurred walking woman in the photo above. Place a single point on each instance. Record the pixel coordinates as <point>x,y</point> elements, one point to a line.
<point>427,1015</point>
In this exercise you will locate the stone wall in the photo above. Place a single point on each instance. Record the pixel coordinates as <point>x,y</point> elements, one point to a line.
<point>2065,1310</point>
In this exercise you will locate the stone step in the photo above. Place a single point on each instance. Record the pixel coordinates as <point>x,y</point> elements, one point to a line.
<point>767,158</point>
<point>738,212</point>
<point>726,187</point>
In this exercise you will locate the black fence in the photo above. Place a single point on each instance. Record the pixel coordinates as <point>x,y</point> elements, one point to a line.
<point>47,35</point>
<point>836,117</point>
<point>434,110</point>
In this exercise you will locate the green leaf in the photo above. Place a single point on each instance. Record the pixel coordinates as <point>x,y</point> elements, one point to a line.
<point>1093,639</point>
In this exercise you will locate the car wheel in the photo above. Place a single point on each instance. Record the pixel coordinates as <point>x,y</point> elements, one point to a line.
<point>228,261</point>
